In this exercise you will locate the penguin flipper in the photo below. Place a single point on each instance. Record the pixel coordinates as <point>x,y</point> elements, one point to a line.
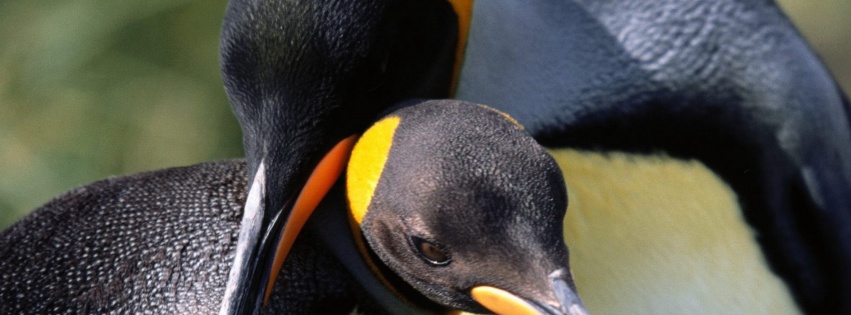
<point>153,241</point>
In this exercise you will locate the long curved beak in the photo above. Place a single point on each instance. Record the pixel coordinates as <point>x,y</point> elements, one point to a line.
<point>263,245</point>
<point>503,302</point>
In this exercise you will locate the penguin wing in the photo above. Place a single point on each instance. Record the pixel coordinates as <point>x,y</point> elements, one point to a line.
<point>158,241</point>
<point>727,85</point>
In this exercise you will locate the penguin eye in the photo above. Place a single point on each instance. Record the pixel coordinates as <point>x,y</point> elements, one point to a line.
<point>430,252</point>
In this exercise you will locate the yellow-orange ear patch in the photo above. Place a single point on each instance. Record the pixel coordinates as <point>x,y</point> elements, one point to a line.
<point>367,163</point>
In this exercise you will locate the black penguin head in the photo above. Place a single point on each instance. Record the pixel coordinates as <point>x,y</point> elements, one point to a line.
<point>456,199</point>
<point>302,75</point>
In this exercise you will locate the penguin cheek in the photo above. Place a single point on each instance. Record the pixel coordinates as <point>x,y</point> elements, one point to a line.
<point>395,244</point>
<point>388,239</point>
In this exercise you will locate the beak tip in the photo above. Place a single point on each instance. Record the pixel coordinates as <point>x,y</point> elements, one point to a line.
<point>566,294</point>
<point>562,309</point>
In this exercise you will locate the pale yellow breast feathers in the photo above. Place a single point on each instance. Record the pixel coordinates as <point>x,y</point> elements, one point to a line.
<point>658,235</point>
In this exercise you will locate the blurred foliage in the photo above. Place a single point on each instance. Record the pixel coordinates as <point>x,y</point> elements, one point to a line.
<point>94,88</point>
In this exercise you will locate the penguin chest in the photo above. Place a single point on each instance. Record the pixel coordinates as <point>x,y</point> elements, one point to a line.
<point>658,235</point>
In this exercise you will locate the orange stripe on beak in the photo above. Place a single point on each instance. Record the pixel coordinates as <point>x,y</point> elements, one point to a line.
<point>316,187</point>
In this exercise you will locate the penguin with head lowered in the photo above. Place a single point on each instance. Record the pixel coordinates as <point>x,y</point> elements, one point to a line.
<point>457,202</point>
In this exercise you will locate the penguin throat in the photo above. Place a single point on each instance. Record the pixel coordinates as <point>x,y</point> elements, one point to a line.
<point>394,283</point>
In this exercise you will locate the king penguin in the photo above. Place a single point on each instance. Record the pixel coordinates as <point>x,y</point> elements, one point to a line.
<point>706,149</point>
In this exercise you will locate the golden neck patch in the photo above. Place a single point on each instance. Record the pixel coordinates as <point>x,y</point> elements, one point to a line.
<point>365,167</point>
<point>367,163</point>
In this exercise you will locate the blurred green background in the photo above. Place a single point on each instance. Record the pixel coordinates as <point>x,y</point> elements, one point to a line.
<point>95,88</point>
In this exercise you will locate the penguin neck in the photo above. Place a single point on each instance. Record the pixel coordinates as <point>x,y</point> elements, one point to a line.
<point>393,282</point>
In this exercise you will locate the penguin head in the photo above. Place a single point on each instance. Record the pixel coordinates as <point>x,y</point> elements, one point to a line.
<point>461,205</point>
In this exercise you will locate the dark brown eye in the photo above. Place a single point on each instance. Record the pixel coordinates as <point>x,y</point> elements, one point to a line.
<point>430,252</point>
